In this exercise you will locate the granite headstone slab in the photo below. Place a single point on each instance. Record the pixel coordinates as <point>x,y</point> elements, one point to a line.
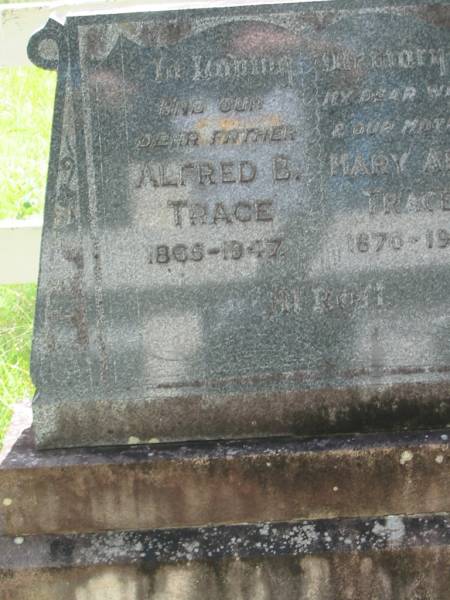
<point>247,223</point>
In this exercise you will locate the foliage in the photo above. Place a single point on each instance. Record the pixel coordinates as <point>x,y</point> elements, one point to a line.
<point>25,120</point>
<point>16,322</point>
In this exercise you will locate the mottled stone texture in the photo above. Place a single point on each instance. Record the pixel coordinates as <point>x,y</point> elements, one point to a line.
<point>421,574</point>
<point>245,235</point>
<point>246,225</point>
<point>398,573</point>
<point>193,485</point>
<point>351,518</point>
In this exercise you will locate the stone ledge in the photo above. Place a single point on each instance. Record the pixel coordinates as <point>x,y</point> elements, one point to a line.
<point>260,540</point>
<point>151,487</point>
<point>366,559</point>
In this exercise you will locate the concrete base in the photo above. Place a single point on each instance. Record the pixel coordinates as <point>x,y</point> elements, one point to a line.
<point>414,574</point>
<point>351,518</point>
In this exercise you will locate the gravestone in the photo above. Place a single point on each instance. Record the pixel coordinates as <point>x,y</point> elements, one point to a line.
<point>246,226</point>
<point>245,235</point>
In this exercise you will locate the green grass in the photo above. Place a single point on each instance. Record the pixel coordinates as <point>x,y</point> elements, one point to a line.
<point>26,107</point>
<point>16,322</point>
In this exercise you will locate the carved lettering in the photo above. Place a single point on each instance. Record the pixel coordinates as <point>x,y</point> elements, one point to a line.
<point>347,299</point>
<point>237,67</point>
<point>382,202</point>
<point>165,139</point>
<point>410,58</point>
<point>357,165</point>
<point>175,107</point>
<point>240,104</point>
<point>204,173</point>
<point>214,213</point>
<point>422,126</point>
<point>344,97</point>
<point>361,128</point>
<point>387,59</point>
<point>231,250</point>
<point>437,161</point>
<point>284,170</point>
<point>253,135</point>
<point>167,69</point>
<point>285,301</point>
<point>437,92</point>
<point>373,242</point>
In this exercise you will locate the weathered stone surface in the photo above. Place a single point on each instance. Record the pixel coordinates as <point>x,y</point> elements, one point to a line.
<point>344,518</point>
<point>124,567</point>
<point>216,543</point>
<point>246,229</point>
<point>150,487</point>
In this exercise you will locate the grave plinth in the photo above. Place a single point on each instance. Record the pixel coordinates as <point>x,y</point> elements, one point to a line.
<point>320,519</point>
<point>241,347</point>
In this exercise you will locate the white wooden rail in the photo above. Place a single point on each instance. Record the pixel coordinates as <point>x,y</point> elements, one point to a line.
<point>19,250</point>
<point>20,240</point>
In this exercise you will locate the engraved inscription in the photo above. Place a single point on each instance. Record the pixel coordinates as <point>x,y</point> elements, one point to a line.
<point>214,213</point>
<point>201,173</point>
<point>347,97</point>
<point>382,202</point>
<point>175,107</point>
<point>379,241</point>
<point>285,301</point>
<point>219,137</point>
<point>247,203</point>
<point>434,59</point>
<point>234,67</point>
<point>198,67</point>
<point>357,165</point>
<point>254,135</point>
<point>240,104</point>
<point>344,299</point>
<point>408,128</point>
<point>163,254</point>
<point>326,300</point>
<point>165,139</point>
